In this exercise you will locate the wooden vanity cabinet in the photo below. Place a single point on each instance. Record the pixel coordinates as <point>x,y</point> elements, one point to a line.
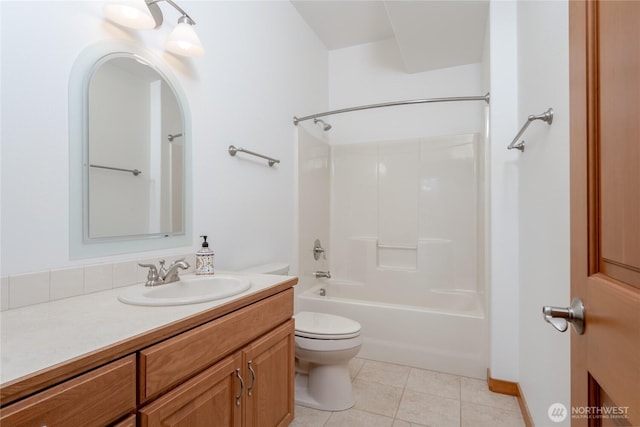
<point>252,388</point>
<point>235,370</point>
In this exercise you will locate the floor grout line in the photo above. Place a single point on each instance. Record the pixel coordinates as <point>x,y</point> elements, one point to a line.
<point>331,419</point>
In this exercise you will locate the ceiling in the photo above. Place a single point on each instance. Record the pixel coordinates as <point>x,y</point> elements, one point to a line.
<point>430,34</point>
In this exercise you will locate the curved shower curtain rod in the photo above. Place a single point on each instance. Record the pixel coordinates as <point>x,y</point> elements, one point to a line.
<point>484,98</point>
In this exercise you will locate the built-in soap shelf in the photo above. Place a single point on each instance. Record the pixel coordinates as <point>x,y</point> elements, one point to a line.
<point>397,257</point>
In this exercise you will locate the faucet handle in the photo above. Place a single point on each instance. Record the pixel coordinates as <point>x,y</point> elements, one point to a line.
<point>151,267</point>
<point>317,250</point>
<point>163,270</point>
<point>152,276</point>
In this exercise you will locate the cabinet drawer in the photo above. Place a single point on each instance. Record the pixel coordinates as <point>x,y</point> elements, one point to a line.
<point>172,361</point>
<point>96,398</point>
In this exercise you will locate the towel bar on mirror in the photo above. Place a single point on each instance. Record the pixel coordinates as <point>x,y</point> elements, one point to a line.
<point>135,172</point>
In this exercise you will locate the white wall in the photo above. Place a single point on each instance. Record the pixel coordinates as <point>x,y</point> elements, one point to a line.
<point>503,204</point>
<point>374,73</point>
<point>263,66</point>
<point>543,82</point>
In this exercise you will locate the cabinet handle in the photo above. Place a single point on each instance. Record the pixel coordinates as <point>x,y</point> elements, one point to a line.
<point>253,379</point>
<point>239,396</point>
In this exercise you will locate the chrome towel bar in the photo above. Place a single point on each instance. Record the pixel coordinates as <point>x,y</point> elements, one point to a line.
<point>171,137</point>
<point>135,172</point>
<point>547,116</point>
<point>233,150</point>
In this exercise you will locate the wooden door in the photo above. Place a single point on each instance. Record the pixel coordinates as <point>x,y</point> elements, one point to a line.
<point>212,398</point>
<point>269,367</point>
<point>605,210</point>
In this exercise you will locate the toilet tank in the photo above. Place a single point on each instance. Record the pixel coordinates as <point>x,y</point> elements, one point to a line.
<point>272,268</point>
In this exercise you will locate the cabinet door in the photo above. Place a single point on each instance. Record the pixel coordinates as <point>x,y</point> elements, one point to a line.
<point>269,377</point>
<point>130,421</point>
<point>212,398</point>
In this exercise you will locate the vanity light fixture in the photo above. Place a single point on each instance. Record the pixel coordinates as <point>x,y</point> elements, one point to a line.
<point>146,14</point>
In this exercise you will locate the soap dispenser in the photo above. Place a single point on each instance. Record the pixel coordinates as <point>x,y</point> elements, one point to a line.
<point>204,258</point>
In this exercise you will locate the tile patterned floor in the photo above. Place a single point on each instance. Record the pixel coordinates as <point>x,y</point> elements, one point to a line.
<point>389,395</point>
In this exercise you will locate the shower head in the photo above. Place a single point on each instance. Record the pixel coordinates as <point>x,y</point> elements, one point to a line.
<point>325,125</point>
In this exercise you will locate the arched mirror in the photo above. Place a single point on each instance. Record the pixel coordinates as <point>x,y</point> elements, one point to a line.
<point>133,149</point>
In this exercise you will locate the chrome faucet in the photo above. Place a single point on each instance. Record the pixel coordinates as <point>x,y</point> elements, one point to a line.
<point>320,274</point>
<point>170,274</point>
<point>165,275</point>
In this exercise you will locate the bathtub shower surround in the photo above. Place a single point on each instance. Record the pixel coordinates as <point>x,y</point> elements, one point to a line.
<point>406,244</point>
<point>408,212</point>
<point>314,160</point>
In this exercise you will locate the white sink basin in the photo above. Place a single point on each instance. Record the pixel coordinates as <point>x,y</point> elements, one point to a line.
<point>189,290</point>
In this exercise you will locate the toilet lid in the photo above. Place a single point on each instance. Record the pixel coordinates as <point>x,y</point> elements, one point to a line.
<point>325,326</point>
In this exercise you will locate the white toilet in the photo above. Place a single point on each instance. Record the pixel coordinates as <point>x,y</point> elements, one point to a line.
<point>325,344</point>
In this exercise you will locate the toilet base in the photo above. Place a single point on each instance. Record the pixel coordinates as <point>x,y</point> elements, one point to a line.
<point>324,387</point>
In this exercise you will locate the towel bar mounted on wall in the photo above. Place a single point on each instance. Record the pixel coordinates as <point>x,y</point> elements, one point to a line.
<point>547,116</point>
<point>135,172</point>
<point>233,150</point>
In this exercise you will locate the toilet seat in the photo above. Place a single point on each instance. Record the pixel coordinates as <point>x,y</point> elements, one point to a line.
<point>325,326</point>
<point>327,345</point>
<point>327,336</point>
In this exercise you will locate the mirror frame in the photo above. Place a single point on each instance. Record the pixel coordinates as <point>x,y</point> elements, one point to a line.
<point>80,245</point>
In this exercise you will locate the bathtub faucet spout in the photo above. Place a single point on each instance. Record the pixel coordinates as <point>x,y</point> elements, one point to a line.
<point>319,274</point>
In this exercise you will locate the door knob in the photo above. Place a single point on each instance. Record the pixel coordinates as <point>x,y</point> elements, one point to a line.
<point>560,317</point>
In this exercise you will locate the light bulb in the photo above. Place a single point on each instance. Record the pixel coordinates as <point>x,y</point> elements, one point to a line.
<point>130,13</point>
<point>183,40</point>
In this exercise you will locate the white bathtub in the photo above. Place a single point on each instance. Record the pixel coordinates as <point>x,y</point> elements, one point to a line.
<point>446,332</point>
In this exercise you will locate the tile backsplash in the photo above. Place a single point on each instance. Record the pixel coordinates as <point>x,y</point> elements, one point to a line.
<point>34,288</point>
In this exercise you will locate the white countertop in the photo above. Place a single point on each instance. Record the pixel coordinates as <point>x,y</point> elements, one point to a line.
<point>39,336</point>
